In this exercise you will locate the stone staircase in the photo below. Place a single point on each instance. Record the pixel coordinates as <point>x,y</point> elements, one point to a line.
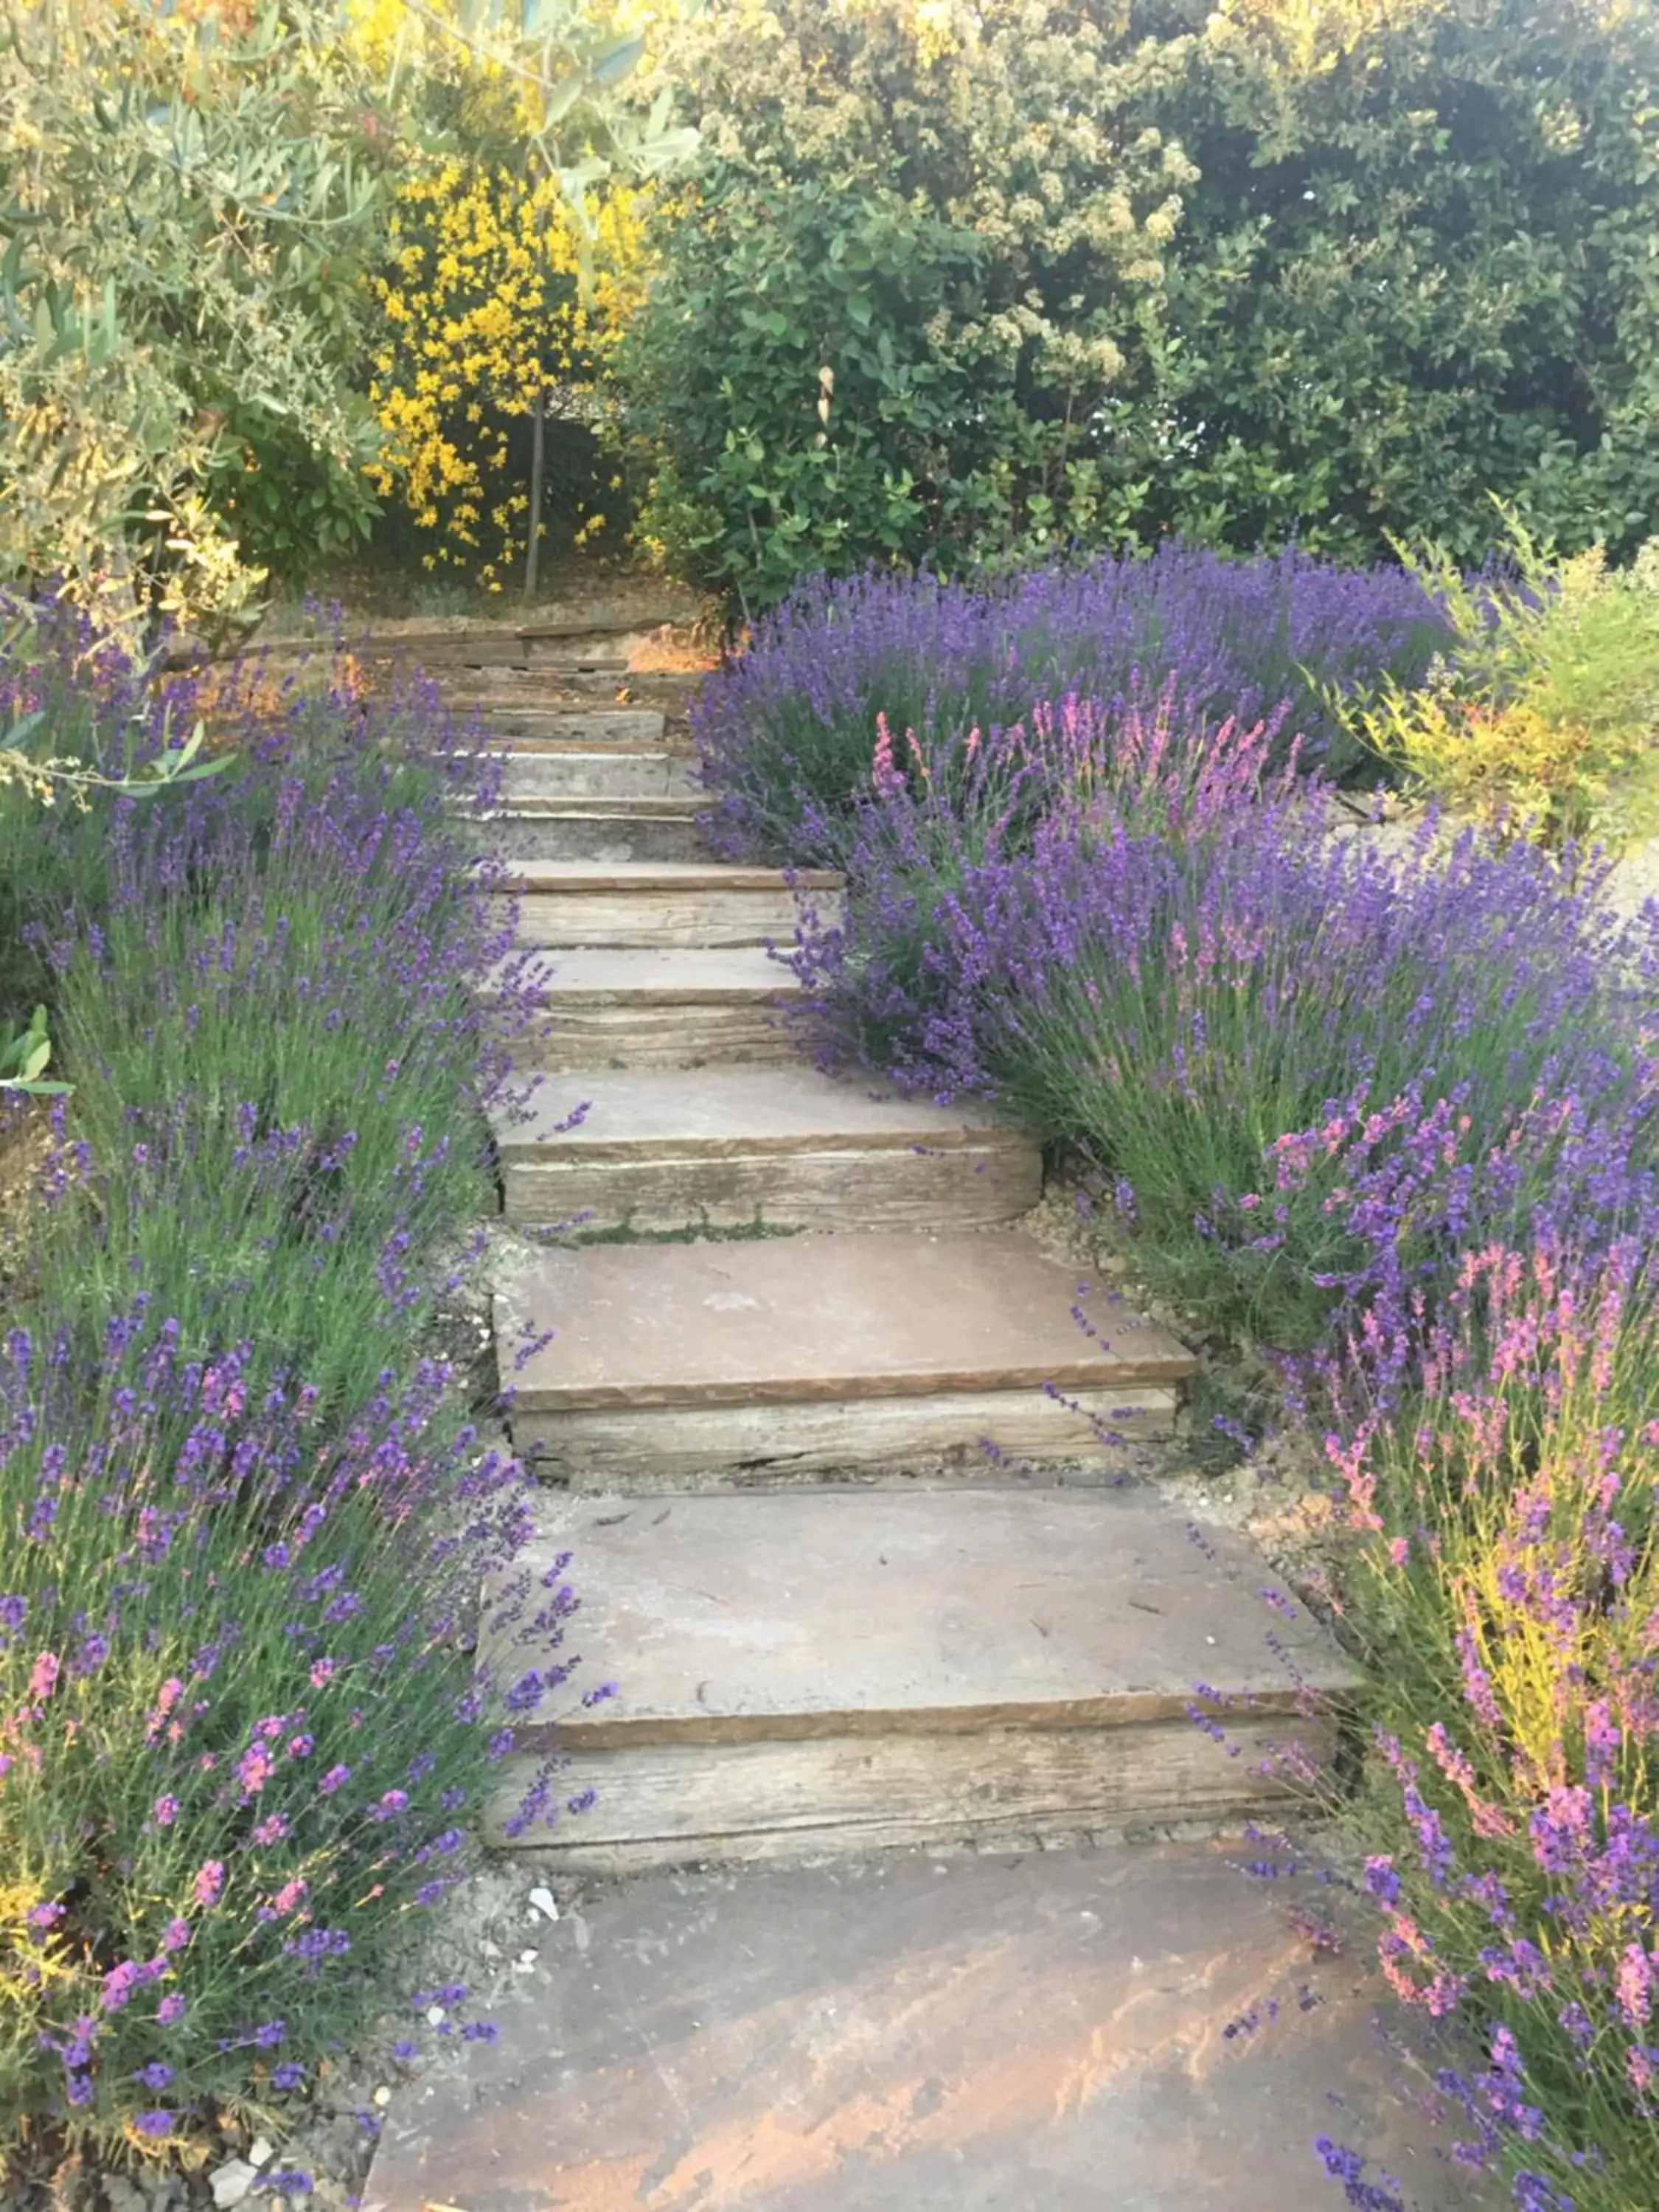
<point>799,1380</point>
<point>839,1451</point>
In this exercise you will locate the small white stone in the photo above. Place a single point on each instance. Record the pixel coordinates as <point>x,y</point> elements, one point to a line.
<point>542,1901</point>
<point>434,2016</point>
<point>528,1958</point>
<point>488,1950</point>
<point>259,2152</point>
<point>383,2097</point>
<point>232,2181</point>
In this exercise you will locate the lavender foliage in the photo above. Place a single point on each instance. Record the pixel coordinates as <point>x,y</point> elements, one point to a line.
<point>244,1743</point>
<point>1395,1104</point>
<point>1314,1069</point>
<point>264,990</point>
<point>1504,1575</point>
<point>248,1708</point>
<point>785,734</point>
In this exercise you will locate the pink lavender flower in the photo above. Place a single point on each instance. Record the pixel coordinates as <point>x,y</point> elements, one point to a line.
<point>1635,1986</point>
<point>210,1880</point>
<point>119,1984</point>
<point>254,1769</point>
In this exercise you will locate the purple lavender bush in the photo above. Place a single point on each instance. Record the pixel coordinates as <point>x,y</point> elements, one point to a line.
<point>260,991</point>
<point>245,1518</point>
<point>1144,941</point>
<point>246,1730</point>
<point>1504,1578</point>
<point>785,732</point>
<point>1399,1109</point>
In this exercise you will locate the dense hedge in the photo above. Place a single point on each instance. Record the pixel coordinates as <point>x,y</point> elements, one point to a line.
<point>1081,276</point>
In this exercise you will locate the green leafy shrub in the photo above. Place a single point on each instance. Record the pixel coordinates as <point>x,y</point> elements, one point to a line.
<point>188,203</point>
<point>1235,274</point>
<point>894,296</point>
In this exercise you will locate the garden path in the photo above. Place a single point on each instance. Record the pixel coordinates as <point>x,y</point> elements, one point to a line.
<point>853,1638</point>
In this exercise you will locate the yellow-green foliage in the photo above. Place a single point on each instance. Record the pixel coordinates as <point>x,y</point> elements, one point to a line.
<point>1543,720</point>
<point>185,193</point>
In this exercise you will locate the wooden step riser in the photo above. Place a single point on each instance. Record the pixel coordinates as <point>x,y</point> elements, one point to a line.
<point>529,777</point>
<point>598,726</point>
<point>440,653</point>
<point>593,681</point>
<point>830,1187</point>
<point>639,919</point>
<point>651,1447</point>
<point>621,836</point>
<point>678,1805</point>
<point>586,1033</point>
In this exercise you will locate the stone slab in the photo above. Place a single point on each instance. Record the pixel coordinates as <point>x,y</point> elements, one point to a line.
<point>668,975</point>
<point>1054,2033</point>
<point>576,877</point>
<point>723,1111</point>
<point>601,806</point>
<point>809,1317</point>
<point>836,1186</point>
<point>602,829</point>
<point>688,912</point>
<point>583,725</point>
<point>585,773</point>
<point>842,1612</point>
<point>727,1147</point>
<point>664,1007</point>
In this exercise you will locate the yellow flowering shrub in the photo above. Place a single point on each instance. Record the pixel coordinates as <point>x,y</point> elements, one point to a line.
<point>1543,718</point>
<point>490,296</point>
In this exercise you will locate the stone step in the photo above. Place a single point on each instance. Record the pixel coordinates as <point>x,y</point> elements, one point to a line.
<point>592,638</point>
<point>687,902</point>
<point>591,726</point>
<point>581,772</point>
<point>662,1007</point>
<point>725,1146</point>
<point>816,1671</point>
<point>598,829</point>
<point>488,691</point>
<point>601,666</point>
<point>773,1357</point>
<point>1055,2032</point>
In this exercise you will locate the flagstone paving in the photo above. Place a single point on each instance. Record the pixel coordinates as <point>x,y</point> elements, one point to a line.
<point>1134,2030</point>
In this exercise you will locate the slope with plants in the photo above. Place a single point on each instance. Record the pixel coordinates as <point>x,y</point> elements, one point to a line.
<point>1389,1116</point>
<point>245,1510</point>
